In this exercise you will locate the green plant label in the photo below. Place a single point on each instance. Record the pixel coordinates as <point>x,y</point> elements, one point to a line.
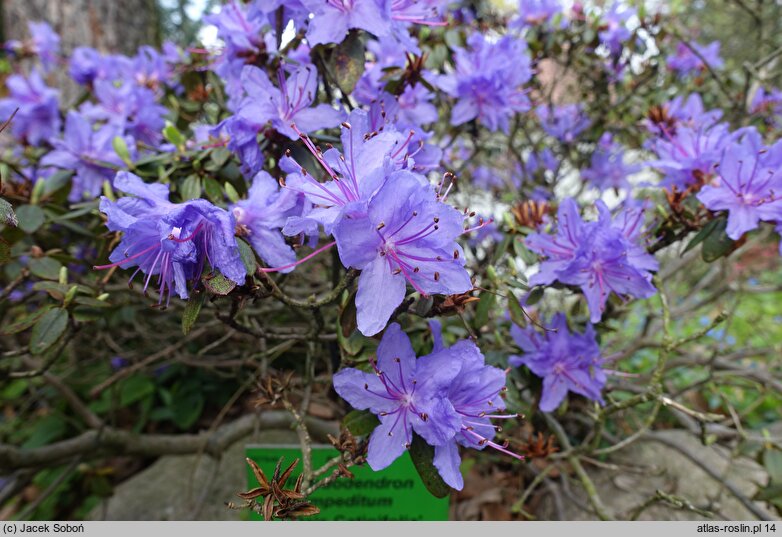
<point>395,493</point>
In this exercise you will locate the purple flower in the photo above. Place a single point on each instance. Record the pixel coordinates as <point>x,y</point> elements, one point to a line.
<point>748,185</point>
<point>38,118</point>
<point>607,169</point>
<point>151,69</point>
<point>566,361</point>
<point>600,256</point>
<point>475,396</point>
<point>405,234</point>
<point>44,43</point>
<point>170,240</point>
<point>488,80</point>
<point>118,362</point>
<point>88,65</point>
<point>406,393</point>
<point>261,217</point>
<point>536,12</point>
<point>289,104</point>
<point>768,103</point>
<point>563,122</point>
<point>355,175</point>
<point>689,153</point>
<point>132,108</point>
<point>687,58</point>
<point>86,151</point>
<point>615,31</point>
<point>333,19</point>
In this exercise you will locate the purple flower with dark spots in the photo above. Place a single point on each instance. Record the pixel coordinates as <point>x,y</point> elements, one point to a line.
<point>566,361</point>
<point>87,151</point>
<point>354,175</point>
<point>600,257</point>
<point>404,235</point>
<point>407,394</point>
<point>748,185</point>
<point>290,103</point>
<point>475,396</point>
<point>38,117</point>
<point>170,240</point>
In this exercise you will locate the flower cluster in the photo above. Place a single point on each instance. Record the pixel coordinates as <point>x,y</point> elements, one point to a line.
<point>600,257</point>
<point>170,240</point>
<point>566,361</point>
<point>694,58</point>
<point>607,169</point>
<point>488,82</point>
<point>748,184</point>
<point>447,397</point>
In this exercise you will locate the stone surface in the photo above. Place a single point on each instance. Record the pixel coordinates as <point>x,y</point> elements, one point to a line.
<point>647,466</point>
<point>187,487</point>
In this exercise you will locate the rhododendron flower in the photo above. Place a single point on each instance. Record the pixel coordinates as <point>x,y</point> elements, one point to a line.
<point>354,176</point>
<point>488,81</point>
<point>748,185</point>
<point>333,19</point>
<point>290,103</point>
<point>87,151</point>
<point>600,257</point>
<point>405,235</point>
<point>690,58</point>
<point>262,216</point>
<point>607,169</point>
<point>170,240</point>
<point>475,396</point>
<point>38,117</point>
<point>406,393</point>
<point>563,122</point>
<point>566,361</point>
<point>43,42</point>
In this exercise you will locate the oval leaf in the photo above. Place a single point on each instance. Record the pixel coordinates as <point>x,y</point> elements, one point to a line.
<point>48,330</point>
<point>423,457</point>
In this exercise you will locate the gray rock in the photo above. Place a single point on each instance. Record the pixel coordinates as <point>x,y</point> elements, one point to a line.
<point>187,487</point>
<point>634,474</point>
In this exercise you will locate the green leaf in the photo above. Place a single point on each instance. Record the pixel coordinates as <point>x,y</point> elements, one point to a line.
<point>48,330</point>
<point>46,430</point>
<point>7,215</point>
<point>173,135</point>
<point>423,457</point>
<point>231,192</point>
<point>134,389</point>
<point>516,313</point>
<point>213,190</point>
<point>360,422</point>
<point>45,268</point>
<point>218,284</point>
<point>121,148</point>
<point>248,256</point>
<point>191,188</point>
<point>25,322</point>
<point>535,295</point>
<point>772,460</point>
<point>702,234</point>
<point>347,62</point>
<point>192,309</point>
<point>717,244</point>
<point>56,181</point>
<point>220,156</point>
<point>187,408</point>
<point>485,305</point>
<point>31,217</point>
